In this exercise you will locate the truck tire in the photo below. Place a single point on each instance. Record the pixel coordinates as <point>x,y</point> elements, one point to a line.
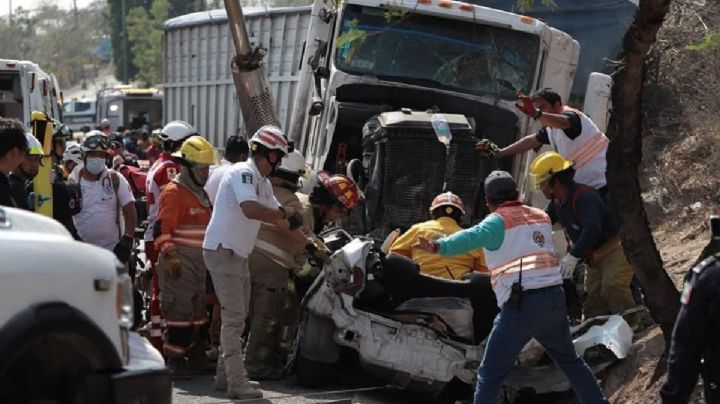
<point>317,351</point>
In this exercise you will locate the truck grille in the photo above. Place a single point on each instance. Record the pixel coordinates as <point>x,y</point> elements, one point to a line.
<point>414,173</point>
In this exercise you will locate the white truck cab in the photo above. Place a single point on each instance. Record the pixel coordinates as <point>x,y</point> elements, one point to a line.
<point>65,314</point>
<point>24,88</point>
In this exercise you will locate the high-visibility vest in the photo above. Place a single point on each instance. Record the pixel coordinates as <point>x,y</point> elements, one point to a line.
<point>527,246</point>
<point>587,151</point>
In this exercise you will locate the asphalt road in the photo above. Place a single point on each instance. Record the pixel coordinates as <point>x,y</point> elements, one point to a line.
<point>199,390</point>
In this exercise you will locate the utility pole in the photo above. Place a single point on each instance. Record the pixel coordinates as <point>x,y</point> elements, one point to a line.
<point>75,12</point>
<point>124,42</point>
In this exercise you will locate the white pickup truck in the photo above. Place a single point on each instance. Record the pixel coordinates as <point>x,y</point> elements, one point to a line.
<point>65,313</point>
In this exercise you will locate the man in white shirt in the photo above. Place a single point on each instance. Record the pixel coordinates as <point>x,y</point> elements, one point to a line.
<point>244,200</point>
<point>108,217</point>
<point>236,150</point>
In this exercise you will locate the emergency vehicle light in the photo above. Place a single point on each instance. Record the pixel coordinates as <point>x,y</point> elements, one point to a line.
<point>445,3</point>
<point>10,64</point>
<point>527,20</point>
<point>424,1</point>
<point>466,7</point>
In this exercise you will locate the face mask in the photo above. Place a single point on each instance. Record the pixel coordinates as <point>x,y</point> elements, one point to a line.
<point>95,165</point>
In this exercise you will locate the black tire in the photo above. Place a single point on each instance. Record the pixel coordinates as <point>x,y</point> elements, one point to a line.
<point>312,373</point>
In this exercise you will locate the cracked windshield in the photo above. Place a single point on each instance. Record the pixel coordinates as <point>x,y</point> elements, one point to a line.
<point>431,51</point>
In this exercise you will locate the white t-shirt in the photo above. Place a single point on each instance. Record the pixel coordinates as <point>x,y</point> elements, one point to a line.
<point>96,222</point>
<point>213,182</point>
<point>229,227</point>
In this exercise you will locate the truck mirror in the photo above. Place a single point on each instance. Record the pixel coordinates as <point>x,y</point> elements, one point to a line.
<point>597,99</point>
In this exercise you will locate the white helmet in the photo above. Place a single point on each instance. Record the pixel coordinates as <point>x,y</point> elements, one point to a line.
<point>271,137</point>
<point>73,153</point>
<point>293,163</point>
<point>176,130</point>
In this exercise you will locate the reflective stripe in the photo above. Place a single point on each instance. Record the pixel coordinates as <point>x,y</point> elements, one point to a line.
<point>528,262</point>
<point>189,242</point>
<point>155,319</point>
<point>155,332</point>
<point>597,143</point>
<point>199,321</point>
<point>277,252</point>
<point>171,349</point>
<point>174,323</point>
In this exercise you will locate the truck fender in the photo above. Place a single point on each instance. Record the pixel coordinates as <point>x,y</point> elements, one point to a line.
<point>50,318</point>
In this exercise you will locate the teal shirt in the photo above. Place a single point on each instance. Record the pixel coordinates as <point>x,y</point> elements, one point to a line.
<point>488,234</point>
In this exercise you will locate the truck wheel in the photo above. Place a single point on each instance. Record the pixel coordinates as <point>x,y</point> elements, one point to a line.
<point>312,373</point>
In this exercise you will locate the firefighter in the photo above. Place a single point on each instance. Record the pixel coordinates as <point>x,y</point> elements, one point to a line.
<point>592,227</point>
<point>183,214</point>
<point>277,252</point>
<point>21,177</point>
<point>446,210</point>
<point>694,349</point>
<point>244,200</point>
<point>72,157</point>
<point>162,171</point>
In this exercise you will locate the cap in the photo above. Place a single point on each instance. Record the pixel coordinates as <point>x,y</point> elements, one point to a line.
<point>499,185</point>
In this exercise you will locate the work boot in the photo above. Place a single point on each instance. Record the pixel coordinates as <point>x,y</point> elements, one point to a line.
<point>244,390</point>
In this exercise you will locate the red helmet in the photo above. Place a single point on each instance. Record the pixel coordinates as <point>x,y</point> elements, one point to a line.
<point>272,137</point>
<point>447,199</point>
<point>342,188</point>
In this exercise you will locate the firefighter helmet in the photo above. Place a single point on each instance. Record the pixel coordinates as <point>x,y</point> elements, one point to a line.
<point>344,190</point>
<point>176,130</point>
<point>271,137</point>
<point>33,145</point>
<point>293,163</point>
<point>447,199</point>
<point>545,166</point>
<point>197,150</point>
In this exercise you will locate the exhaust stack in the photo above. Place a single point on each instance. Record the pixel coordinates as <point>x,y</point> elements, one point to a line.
<point>251,81</point>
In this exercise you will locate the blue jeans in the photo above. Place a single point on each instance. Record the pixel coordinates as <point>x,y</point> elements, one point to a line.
<point>543,316</point>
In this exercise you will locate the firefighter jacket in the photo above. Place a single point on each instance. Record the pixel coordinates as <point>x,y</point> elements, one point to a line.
<point>278,246</point>
<point>432,264</point>
<point>182,215</point>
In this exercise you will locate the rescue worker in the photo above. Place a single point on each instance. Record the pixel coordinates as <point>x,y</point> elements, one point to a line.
<point>107,218</point>
<point>72,157</point>
<point>332,198</point>
<point>21,177</point>
<point>277,252</point>
<point>446,211</point>
<point>184,211</point>
<point>60,137</point>
<point>526,279</point>
<point>694,349</point>
<point>104,126</point>
<point>13,146</point>
<point>244,200</point>
<point>162,171</point>
<point>592,227</point>
<point>568,131</point>
<point>236,150</point>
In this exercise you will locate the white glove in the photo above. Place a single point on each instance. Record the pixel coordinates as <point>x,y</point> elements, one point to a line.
<point>567,265</point>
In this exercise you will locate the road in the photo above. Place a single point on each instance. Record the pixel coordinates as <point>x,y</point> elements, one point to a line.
<point>199,390</point>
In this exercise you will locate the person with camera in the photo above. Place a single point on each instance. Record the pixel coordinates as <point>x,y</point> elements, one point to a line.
<point>526,279</point>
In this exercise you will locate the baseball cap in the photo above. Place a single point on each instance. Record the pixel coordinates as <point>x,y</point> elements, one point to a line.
<point>499,185</point>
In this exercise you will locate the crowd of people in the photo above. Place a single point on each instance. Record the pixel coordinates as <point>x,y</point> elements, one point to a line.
<point>224,238</point>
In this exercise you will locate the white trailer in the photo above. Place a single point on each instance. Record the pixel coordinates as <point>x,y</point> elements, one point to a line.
<point>198,85</point>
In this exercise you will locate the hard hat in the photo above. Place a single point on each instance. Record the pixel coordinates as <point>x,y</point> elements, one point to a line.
<point>60,131</point>
<point>342,188</point>
<point>177,130</point>
<point>447,199</point>
<point>105,123</point>
<point>33,145</point>
<point>73,153</point>
<point>95,141</point>
<point>293,163</point>
<point>545,166</point>
<point>272,137</point>
<point>197,150</point>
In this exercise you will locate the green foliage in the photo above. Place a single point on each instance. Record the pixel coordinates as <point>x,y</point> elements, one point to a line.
<point>710,42</point>
<point>525,6</point>
<point>181,7</point>
<point>58,40</point>
<point>145,30</point>
<point>122,58</point>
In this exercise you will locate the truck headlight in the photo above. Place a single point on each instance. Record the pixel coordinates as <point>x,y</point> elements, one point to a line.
<point>124,301</point>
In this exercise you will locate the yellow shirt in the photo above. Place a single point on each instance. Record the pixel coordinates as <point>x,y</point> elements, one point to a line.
<point>433,264</point>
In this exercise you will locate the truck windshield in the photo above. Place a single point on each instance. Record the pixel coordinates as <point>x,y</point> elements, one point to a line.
<point>437,52</point>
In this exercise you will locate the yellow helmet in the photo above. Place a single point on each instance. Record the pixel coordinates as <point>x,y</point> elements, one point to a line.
<point>34,146</point>
<point>197,150</point>
<point>545,166</point>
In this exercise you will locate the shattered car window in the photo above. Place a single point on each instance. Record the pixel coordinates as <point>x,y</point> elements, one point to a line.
<point>431,51</point>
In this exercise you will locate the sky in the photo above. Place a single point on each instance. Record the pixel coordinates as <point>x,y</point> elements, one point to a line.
<point>30,4</point>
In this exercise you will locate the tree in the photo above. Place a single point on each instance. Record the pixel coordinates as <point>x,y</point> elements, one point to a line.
<point>145,30</point>
<point>624,157</point>
<point>180,7</point>
<point>119,9</point>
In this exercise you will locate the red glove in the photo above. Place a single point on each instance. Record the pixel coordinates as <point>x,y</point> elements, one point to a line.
<point>526,105</point>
